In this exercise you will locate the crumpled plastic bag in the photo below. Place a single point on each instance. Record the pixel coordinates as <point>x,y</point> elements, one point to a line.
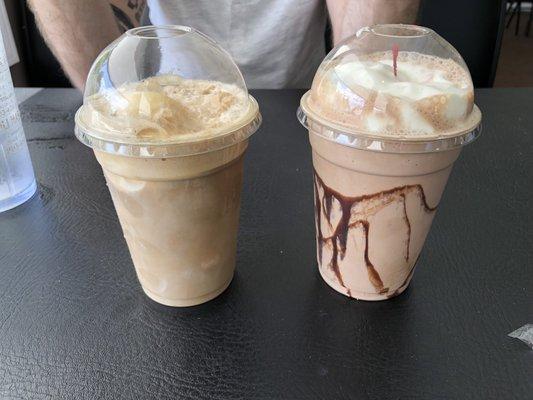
<point>524,334</point>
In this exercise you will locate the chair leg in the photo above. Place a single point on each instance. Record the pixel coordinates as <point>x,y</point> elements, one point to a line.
<point>519,9</point>
<point>512,11</point>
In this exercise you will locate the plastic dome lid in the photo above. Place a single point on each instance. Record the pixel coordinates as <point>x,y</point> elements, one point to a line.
<point>393,87</point>
<point>162,91</point>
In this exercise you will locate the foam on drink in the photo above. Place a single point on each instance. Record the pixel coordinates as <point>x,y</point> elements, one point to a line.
<point>167,108</point>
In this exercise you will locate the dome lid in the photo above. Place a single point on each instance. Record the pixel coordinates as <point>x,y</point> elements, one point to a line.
<point>165,91</point>
<point>393,84</point>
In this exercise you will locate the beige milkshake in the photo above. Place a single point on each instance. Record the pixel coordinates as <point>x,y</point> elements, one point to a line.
<point>171,150</point>
<point>385,128</point>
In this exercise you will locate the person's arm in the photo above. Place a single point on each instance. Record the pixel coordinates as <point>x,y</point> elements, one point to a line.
<point>348,16</point>
<point>76,31</point>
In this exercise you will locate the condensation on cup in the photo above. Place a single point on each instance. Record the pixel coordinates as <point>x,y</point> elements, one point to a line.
<point>17,180</point>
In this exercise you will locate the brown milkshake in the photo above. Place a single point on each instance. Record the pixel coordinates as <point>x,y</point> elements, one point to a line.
<point>388,113</point>
<point>171,149</point>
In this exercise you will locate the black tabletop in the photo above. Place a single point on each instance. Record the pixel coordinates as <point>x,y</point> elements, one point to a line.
<point>75,324</point>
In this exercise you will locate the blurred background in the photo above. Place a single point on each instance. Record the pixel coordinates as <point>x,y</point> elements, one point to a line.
<point>494,37</point>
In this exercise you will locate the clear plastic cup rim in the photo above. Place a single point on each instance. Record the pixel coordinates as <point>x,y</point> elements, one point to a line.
<point>239,132</point>
<point>386,144</point>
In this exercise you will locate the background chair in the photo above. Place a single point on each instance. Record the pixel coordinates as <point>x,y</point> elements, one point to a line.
<point>514,9</point>
<point>474,27</point>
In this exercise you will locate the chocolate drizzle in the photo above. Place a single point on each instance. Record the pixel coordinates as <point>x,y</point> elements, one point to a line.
<point>405,282</point>
<point>354,214</point>
<point>408,224</point>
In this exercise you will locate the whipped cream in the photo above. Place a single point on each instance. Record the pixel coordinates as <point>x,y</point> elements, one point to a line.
<point>428,96</point>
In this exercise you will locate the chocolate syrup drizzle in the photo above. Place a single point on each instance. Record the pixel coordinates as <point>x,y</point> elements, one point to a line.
<point>352,218</point>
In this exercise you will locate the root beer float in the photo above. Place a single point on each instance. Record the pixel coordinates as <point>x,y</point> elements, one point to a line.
<point>388,113</point>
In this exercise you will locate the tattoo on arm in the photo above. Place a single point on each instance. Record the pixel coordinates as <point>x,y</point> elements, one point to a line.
<point>127,12</point>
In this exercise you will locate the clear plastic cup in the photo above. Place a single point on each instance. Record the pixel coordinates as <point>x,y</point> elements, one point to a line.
<point>389,110</point>
<point>17,181</point>
<point>168,115</point>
